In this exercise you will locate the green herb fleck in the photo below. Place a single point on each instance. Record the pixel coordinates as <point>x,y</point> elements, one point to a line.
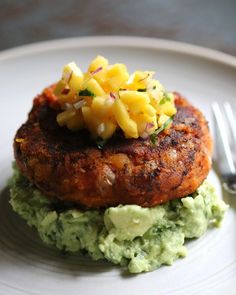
<point>100,142</point>
<point>154,87</point>
<point>153,136</point>
<point>142,90</point>
<point>166,98</point>
<point>86,92</point>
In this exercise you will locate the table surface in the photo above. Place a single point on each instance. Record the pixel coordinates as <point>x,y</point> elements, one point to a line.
<point>208,23</point>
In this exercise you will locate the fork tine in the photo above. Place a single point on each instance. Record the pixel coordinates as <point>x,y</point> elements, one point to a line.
<point>231,119</point>
<point>222,143</point>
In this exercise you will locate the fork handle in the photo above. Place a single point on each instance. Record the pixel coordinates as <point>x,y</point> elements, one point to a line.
<point>229,184</point>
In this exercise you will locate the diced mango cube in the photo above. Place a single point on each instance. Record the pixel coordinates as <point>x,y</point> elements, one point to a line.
<point>109,129</point>
<point>101,108</point>
<point>73,76</point>
<point>93,86</point>
<point>139,80</point>
<point>87,114</point>
<point>121,114</point>
<point>62,118</point>
<point>136,101</point>
<point>97,105</point>
<point>75,82</point>
<point>149,110</point>
<point>155,85</point>
<point>98,62</point>
<point>117,75</point>
<point>60,86</point>
<point>64,94</point>
<point>167,108</point>
<point>146,123</point>
<point>132,97</point>
<point>76,122</point>
<point>155,99</point>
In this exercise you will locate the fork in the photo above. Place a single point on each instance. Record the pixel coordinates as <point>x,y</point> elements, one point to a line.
<point>225,144</point>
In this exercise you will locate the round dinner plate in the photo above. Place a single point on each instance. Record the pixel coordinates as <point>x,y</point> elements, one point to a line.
<point>27,266</point>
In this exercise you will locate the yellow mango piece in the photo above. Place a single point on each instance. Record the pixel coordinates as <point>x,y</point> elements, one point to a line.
<point>131,97</point>
<point>76,122</point>
<point>109,129</point>
<point>88,118</point>
<point>64,94</point>
<point>145,118</point>
<point>154,100</point>
<point>123,119</point>
<point>60,86</point>
<point>101,108</point>
<point>75,82</point>
<point>73,76</point>
<point>155,85</point>
<point>97,105</point>
<point>91,121</point>
<point>93,86</point>
<point>98,62</point>
<point>150,110</point>
<point>117,75</point>
<point>139,80</point>
<point>71,98</point>
<point>146,123</point>
<point>167,108</point>
<point>63,117</point>
<point>136,101</point>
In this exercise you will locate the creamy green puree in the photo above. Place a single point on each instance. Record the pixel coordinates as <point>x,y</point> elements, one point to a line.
<point>140,238</point>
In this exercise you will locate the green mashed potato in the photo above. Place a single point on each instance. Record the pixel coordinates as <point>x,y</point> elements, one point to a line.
<point>142,239</point>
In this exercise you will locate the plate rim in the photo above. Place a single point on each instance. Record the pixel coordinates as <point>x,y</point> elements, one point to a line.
<point>119,41</point>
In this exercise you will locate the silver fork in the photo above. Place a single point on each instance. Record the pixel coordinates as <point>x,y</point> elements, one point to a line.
<point>225,144</point>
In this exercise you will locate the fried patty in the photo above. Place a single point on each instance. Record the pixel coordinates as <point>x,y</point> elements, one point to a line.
<point>68,166</point>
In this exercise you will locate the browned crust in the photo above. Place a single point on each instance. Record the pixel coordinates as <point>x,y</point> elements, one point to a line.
<point>68,166</point>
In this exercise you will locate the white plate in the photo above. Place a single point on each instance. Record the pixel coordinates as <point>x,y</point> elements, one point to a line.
<point>29,267</point>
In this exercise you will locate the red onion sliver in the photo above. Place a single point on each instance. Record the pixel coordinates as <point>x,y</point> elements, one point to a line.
<point>96,71</point>
<point>79,104</point>
<point>149,126</point>
<point>112,95</point>
<point>140,80</point>
<point>65,91</point>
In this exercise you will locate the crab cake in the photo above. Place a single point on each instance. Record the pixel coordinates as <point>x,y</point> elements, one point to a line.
<point>68,166</point>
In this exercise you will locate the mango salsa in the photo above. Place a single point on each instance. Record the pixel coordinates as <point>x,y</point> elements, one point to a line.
<point>106,98</point>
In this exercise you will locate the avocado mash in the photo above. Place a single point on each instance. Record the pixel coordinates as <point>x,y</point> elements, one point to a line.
<point>142,239</point>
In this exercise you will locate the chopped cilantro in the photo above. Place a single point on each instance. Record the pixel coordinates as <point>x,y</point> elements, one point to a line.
<point>142,90</point>
<point>154,87</point>
<point>100,142</point>
<point>86,92</point>
<point>165,99</point>
<point>153,136</point>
